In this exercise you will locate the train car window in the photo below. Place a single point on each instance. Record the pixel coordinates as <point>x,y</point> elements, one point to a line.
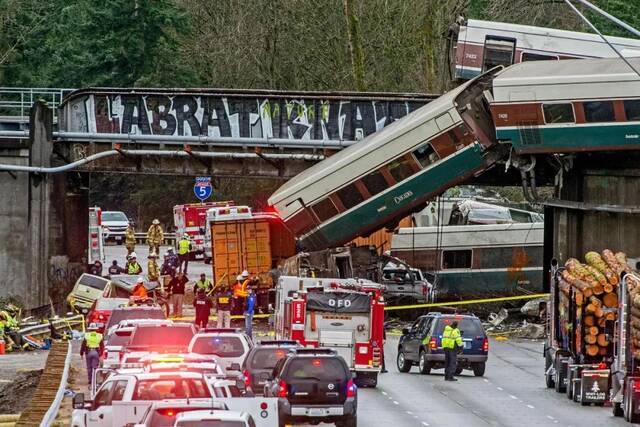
<point>558,113</point>
<point>375,182</point>
<point>632,109</point>
<point>498,51</point>
<point>401,168</point>
<point>456,259</point>
<point>425,155</point>
<point>350,196</point>
<point>599,111</point>
<point>325,209</point>
<point>528,56</point>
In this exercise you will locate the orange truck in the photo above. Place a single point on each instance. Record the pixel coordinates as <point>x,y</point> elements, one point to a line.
<point>238,239</point>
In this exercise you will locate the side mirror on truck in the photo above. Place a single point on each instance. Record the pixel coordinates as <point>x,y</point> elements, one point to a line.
<point>405,331</point>
<point>78,401</point>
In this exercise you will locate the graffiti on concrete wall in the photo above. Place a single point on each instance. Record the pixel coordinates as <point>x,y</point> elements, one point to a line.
<point>240,117</point>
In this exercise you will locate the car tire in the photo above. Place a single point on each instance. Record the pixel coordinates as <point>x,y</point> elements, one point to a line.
<point>548,379</point>
<point>349,421</point>
<point>423,364</point>
<point>207,260</point>
<point>479,368</point>
<point>616,408</point>
<point>402,363</point>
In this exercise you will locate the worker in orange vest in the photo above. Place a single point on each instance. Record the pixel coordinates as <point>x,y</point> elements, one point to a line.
<point>139,291</point>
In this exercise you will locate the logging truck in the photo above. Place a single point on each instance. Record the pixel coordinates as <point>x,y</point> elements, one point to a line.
<point>583,309</point>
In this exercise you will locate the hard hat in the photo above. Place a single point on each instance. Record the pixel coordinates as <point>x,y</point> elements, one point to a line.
<point>140,280</point>
<point>133,255</point>
<point>92,327</point>
<point>245,273</point>
<point>186,236</point>
<point>239,277</point>
<point>156,222</point>
<point>169,250</point>
<point>152,255</point>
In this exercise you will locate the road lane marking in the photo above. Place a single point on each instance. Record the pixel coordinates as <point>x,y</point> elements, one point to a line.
<point>409,412</point>
<point>395,402</point>
<point>384,392</point>
<point>424,424</point>
<point>500,388</point>
<point>550,417</point>
<point>531,407</point>
<point>513,397</point>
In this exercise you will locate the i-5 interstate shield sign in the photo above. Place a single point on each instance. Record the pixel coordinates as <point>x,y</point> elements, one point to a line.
<point>202,187</point>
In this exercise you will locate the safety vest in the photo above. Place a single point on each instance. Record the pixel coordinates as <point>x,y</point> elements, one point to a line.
<point>93,339</point>
<point>451,337</point>
<point>204,285</point>
<point>132,268</point>
<point>10,321</point>
<point>183,246</point>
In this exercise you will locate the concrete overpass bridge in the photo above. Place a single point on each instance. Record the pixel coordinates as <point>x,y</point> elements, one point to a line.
<point>50,140</point>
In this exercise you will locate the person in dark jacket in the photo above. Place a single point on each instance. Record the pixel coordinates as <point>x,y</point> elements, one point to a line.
<point>202,304</point>
<point>176,290</point>
<point>249,308</point>
<point>224,304</point>
<point>96,268</point>
<point>115,269</point>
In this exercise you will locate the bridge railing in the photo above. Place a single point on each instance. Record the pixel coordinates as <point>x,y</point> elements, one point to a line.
<point>17,101</point>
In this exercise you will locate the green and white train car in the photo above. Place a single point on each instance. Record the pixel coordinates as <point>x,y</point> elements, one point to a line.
<point>568,106</point>
<point>476,260</point>
<point>393,172</point>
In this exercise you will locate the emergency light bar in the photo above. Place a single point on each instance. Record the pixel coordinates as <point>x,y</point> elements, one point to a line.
<point>221,330</point>
<point>314,351</point>
<point>278,342</point>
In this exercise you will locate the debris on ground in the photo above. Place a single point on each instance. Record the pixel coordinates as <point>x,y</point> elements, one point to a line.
<point>534,307</point>
<point>16,394</point>
<point>497,319</point>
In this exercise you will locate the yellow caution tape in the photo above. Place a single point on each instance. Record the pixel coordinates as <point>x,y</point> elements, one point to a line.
<point>468,302</point>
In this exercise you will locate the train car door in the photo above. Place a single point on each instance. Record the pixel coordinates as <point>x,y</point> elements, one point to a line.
<point>498,51</point>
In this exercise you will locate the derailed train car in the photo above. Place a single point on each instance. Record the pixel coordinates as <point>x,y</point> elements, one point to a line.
<point>374,183</point>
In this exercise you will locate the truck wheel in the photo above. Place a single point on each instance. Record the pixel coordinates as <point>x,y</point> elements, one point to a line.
<point>548,379</point>
<point>479,368</point>
<point>403,364</point>
<point>366,379</point>
<point>207,260</point>
<point>616,408</point>
<point>423,364</point>
<point>633,418</point>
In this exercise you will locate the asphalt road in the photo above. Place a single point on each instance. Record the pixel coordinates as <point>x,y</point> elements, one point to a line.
<point>512,392</point>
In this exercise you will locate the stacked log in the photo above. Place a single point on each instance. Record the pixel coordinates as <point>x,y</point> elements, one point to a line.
<point>595,293</point>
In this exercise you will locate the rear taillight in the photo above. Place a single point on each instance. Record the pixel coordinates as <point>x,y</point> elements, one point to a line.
<point>485,345</point>
<point>351,389</point>
<point>636,386</point>
<point>282,389</point>
<point>602,365</point>
<point>433,343</point>
<point>247,378</point>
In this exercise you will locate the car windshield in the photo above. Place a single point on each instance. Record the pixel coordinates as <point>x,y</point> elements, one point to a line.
<point>266,358</point>
<point>171,388</point>
<point>135,313</point>
<point>211,423</point>
<point>161,336</point>
<point>93,281</point>
<point>114,216</point>
<point>318,369</point>
<point>119,338</point>
<point>469,327</point>
<point>219,345</point>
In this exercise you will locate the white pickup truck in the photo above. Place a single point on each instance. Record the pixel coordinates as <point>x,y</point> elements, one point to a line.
<point>125,398</point>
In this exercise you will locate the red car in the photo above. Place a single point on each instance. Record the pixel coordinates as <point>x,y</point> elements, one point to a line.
<point>101,309</point>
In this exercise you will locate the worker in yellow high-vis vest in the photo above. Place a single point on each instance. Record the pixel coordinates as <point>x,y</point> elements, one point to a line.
<point>184,252</point>
<point>451,343</point>
<point>92,349</point>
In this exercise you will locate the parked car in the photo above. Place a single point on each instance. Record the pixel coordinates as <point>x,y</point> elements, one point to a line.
<point>164,413</point>
<point>204,418</point>
<point>86,291</point>
<point>114,224</point>
<point>258,366</point>
<point>118,336</point>
<point>421,344</point>
<point>314,385</point>
<point>102,308</point>
<point>230,345</point>
<point>145,339</point>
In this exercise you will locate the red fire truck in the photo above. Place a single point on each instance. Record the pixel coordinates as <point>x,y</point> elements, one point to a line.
<point>344,314</point>
<point>191,219</point>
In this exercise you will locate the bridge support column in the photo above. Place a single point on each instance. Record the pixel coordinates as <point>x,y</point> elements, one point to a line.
<point>42,250</point>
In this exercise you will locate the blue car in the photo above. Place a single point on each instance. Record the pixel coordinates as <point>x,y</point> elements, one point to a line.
<point>421,344</point>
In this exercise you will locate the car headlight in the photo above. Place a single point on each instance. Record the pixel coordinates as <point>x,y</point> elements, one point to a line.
<point>84,310</point>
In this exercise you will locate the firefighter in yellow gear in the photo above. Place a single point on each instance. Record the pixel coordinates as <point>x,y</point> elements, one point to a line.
<point>155,236</point>
<point>130,239</point>
<point>153,271</point>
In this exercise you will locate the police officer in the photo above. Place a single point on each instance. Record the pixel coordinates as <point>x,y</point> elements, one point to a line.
<point>451,343</point>
<point>224,303</point>
<point>203,283</point>
<point>202,304</point>
<point>184,251</point>
<point>92,347</point>
<point>249,308</point>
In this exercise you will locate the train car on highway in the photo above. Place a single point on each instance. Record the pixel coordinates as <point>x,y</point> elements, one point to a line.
<point>568,106</point>
<point>475,260</point>
<point>375,183</point>
<point>482,45</point>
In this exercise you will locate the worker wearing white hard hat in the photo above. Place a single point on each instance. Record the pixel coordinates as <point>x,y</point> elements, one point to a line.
<point>155,236</point>
<point>132,266</point>
<point>139,291</point>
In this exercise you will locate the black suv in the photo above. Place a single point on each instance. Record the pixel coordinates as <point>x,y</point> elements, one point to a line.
<point>314,385</point>
<point>257,367</point>
<point>422,344</point>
